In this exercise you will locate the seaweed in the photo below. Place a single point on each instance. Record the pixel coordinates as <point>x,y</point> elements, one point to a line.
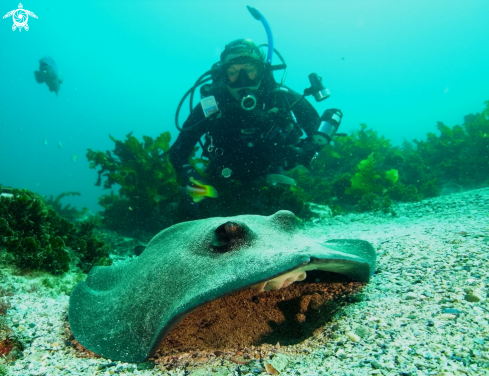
<point>352,167</point>
<point>365,172</point>
<point>142,169</point>
<point>36,237</point>
<point>459,155</point>
<point>369,179</point>
<point>345,153</point>
<point>67,211</point>
<point>371,185</point>
<point>362,171</point>
<point>149,191</point>
<point>91,250</point>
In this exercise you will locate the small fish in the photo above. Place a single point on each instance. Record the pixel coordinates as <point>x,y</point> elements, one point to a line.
<point>45,142</point>
<point>198,190</point>
<point>60,145</point>
<point>278,178</point>
<point>74,158</point>
<point>48,72</point>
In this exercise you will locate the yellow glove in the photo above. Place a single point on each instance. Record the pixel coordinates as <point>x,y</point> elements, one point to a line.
<point>198,190</point>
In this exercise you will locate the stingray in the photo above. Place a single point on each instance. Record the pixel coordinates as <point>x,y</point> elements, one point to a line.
<point>124,311</point>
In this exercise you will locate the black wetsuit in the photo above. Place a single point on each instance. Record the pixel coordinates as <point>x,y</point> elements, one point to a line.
<point>250,144</point>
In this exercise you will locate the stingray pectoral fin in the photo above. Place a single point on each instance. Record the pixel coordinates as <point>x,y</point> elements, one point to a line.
<point>363,268</point>
<point>353,267</point>
<point>38,76</point>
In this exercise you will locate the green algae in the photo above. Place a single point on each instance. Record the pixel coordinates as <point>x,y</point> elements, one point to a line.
<point>37,238</point>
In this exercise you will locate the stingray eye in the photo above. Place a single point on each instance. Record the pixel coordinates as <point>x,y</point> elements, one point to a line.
<point>285,220</point>
<point>227,235</point>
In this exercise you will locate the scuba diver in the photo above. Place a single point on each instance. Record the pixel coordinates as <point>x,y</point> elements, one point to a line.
<point>254,128</point>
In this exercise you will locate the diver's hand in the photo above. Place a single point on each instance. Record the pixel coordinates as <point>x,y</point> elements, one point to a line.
<point>302,154</point>
<point>198,190</point>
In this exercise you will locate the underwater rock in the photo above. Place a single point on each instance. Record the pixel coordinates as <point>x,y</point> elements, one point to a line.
<point>320,211</point>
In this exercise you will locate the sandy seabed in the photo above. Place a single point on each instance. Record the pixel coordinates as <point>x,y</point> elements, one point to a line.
<point>425,311</point>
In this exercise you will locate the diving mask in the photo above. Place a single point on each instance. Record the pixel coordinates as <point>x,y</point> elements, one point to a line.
<point>244,74</point>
